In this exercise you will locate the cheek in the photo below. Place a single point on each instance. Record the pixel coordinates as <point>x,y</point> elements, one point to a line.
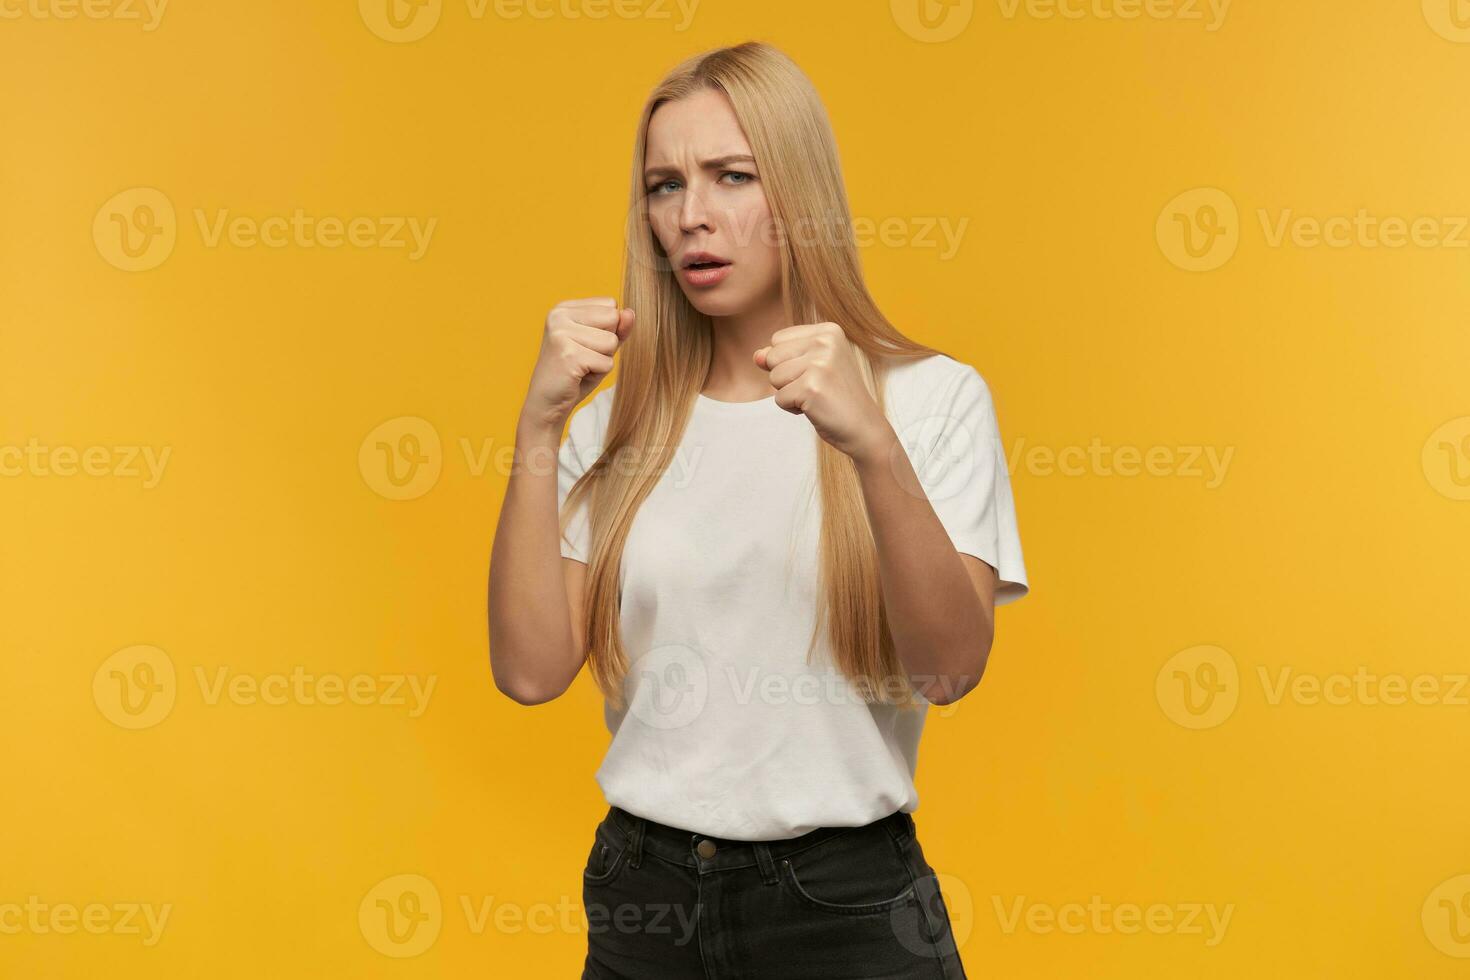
<point>664,223</point>
<point>756,233</point>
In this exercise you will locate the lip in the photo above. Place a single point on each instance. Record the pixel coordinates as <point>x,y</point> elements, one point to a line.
<point>694,257</point>
<point>704,277</point>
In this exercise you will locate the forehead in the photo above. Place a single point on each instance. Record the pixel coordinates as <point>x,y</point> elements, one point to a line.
<point>702,125</point>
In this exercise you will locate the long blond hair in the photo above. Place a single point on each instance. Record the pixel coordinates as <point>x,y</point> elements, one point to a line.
<point>666,359</point>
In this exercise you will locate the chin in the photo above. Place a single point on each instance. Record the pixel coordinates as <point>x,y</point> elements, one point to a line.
<point>712,303</point>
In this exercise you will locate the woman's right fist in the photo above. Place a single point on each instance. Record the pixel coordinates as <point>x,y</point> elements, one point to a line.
<point>577,349</point>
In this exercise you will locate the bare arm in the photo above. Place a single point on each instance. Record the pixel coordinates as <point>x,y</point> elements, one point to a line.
<point>940,603</point>
<point>534,650</point>
<point>535,594</point>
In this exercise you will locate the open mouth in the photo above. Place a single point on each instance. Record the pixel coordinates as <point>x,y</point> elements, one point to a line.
<point>704,270</point>
<point>702,261</point>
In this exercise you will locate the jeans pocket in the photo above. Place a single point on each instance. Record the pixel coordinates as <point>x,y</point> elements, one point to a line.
<point>859,872</point>
<point>608,855</point>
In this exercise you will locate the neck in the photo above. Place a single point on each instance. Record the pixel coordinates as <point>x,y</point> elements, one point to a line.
<point>733,373</point>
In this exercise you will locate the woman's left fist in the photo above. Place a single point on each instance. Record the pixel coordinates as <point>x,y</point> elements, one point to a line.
<point>816,374</point>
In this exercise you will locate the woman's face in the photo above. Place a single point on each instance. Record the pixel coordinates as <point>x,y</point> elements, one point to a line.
<point>708,208</point>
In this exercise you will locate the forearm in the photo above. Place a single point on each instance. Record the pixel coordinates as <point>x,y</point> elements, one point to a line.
<point>532,651</point>
<point>941,629</point>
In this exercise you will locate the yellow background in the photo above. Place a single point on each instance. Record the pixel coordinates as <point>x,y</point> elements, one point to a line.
<point>1336,540</point>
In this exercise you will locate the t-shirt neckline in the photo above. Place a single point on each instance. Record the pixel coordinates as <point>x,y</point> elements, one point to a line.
<point>755,405</point>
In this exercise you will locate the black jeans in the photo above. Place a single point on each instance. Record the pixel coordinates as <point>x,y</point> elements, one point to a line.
<point>837,903</point>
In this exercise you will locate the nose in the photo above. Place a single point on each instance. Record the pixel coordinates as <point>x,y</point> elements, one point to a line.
<point>693,215</point>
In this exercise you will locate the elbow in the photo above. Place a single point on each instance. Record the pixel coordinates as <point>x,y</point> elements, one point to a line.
<point>950,691</point>
<point>519,685</point>
<point>954,686</point>
<point>529,697</point>
<point>525,692</point>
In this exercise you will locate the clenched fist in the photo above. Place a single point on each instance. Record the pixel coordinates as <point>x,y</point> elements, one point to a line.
<point>577,349</point>
<point>816,374</point>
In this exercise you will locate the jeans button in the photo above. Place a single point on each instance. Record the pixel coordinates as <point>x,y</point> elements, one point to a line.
<point>706,849</point>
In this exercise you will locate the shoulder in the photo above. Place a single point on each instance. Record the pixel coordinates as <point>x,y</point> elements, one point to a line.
<point>933,384</point>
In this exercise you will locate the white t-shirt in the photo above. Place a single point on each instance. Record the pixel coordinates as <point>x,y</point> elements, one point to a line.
<point>728,732</point>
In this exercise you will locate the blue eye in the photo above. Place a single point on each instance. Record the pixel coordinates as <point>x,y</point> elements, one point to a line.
<point>670,185</point>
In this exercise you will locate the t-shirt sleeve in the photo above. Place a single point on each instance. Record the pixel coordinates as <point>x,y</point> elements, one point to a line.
<point>580,450</point>
<point>956,451</point>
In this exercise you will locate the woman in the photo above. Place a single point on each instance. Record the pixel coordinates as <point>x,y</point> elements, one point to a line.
<point>783,532</point>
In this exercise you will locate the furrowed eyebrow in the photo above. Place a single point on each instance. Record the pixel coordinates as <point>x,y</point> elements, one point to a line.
<point>713,164</point>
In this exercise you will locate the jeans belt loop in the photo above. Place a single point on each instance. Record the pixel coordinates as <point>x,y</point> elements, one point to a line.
<point>765,862</point>
<point>635,845</point>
